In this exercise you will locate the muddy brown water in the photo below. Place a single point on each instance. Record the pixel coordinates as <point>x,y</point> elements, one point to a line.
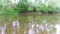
<point>30,24</point>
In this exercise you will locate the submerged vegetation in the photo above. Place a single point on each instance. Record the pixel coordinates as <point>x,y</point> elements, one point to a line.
<point>22,6</point>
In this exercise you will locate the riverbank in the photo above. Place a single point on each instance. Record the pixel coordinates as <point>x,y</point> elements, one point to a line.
<point>42,13</point>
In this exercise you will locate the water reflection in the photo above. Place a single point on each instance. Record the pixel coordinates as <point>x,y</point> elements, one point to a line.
<point>16,24</point>
<point>2,29</point>
<point>57,28</point>
<point>29,24</point>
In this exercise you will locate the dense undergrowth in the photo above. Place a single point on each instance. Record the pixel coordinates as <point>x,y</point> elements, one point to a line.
<point>7,7</point>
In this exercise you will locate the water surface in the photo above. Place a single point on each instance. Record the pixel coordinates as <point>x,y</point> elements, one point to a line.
<point>30,24</point>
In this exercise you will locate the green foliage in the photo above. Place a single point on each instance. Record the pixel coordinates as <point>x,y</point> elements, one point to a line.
<point>12,11</point>
<point>25,6</point>
<point>28,6</point>
<point>30,9</point>
<point>44,8</point>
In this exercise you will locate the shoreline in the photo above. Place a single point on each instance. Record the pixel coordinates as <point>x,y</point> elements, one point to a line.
<point>42,13</point>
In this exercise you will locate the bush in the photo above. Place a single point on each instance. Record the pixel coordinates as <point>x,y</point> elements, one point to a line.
<point>29,6</point>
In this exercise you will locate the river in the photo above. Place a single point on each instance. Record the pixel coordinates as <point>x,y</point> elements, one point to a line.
<point>30,24</point>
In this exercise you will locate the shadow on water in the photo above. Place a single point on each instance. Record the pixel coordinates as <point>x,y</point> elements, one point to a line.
<point>30,24</point>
